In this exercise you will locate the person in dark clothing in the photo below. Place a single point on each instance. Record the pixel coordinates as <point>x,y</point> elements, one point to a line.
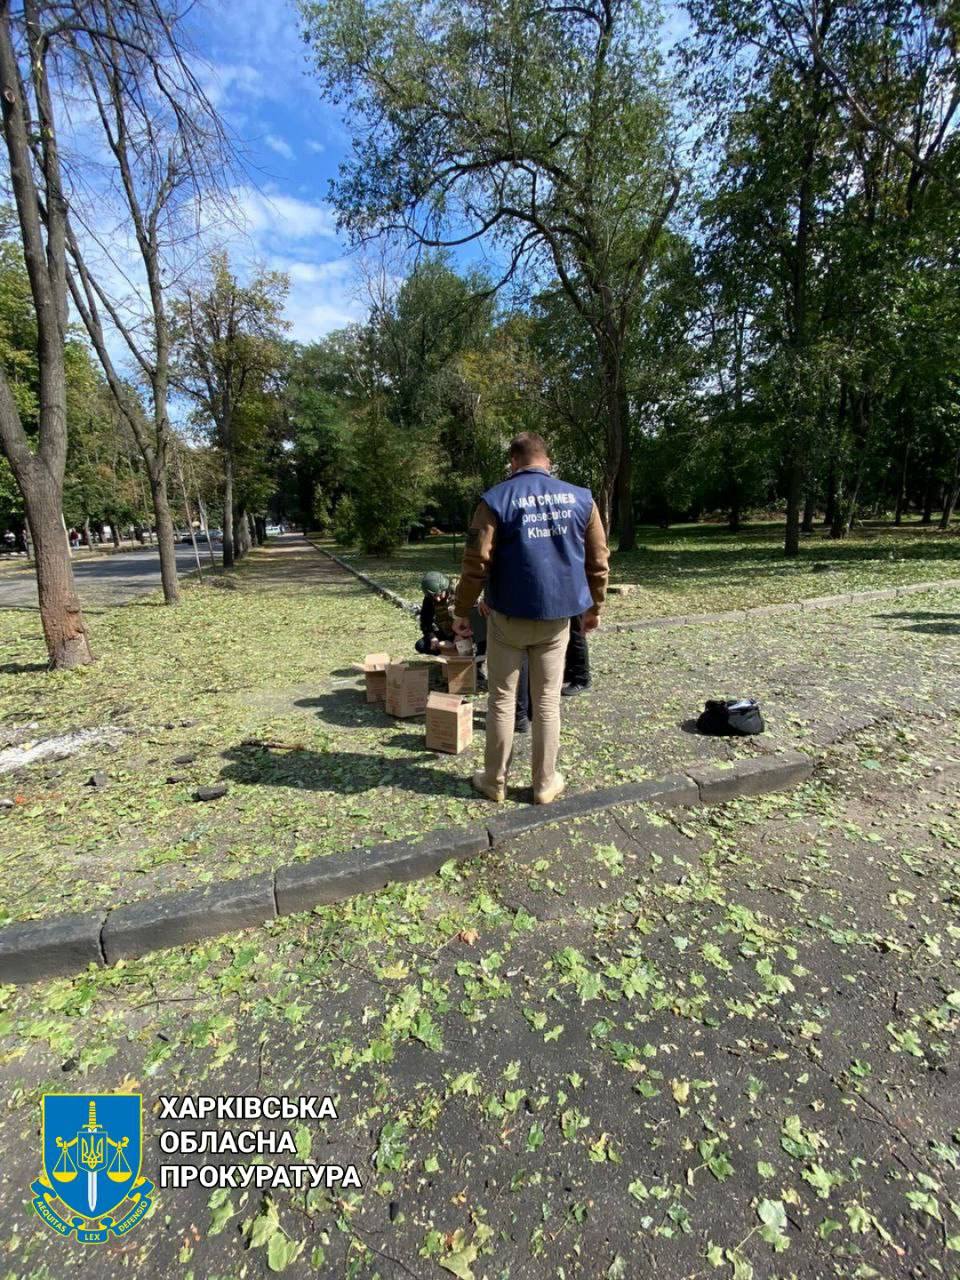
<point>576,667</point>
<point>576,676</point>
<point>436,618</point>
<point>436,612</point>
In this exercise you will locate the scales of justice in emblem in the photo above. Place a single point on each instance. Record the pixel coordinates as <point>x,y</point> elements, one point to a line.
<point>91,1184</point>
<point>91,1150</point>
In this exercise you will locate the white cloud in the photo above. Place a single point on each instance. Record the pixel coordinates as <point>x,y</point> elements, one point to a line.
<point>298,236</point>
<point>314,273</point>
<point>225,82</point>
<point>311,320</point>
<point>323,295</point>
<point>316,147</point>
<point>280,146</point>
<point>272,216</point>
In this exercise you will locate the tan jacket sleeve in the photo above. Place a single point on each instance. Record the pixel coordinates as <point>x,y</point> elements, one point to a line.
<point>477,557</point>
<point>596,559</point>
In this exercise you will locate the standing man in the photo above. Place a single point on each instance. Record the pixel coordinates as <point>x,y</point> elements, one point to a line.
<point>536,546</point>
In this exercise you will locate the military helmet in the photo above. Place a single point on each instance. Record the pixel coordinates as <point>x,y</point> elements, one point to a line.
<point>433,583</point>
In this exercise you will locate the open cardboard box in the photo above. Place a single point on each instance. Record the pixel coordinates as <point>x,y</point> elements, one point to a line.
<point>460,673</point>
<point>408,685</point>
<point>449,723</point>
<point>374,668</point>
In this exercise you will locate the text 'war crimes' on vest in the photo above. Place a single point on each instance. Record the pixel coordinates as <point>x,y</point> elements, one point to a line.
<point>549,523</point>
<point>565,499</point>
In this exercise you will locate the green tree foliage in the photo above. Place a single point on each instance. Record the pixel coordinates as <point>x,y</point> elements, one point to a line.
<point>229,353</point>
<point>543,130</point>
<point>103,480</point>
<point>828,220</point>
<point>319,390</point>
<point>383,509</point>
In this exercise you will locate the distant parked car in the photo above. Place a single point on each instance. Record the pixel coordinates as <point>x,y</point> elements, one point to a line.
<point>273,530</point>
<point>216,535</point>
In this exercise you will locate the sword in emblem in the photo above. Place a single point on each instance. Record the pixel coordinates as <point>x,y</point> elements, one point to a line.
<point>92,1153</point>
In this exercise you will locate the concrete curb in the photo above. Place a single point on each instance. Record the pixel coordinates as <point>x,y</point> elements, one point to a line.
<point>693,619</point>
<point>406,605</point>
<point>64,945</point>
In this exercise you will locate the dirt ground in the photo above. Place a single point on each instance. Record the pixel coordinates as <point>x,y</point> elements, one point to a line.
<point>706,1042</point>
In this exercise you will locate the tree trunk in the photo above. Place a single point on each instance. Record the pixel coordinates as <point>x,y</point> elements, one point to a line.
<point>734,494</point>
<point>929,497</point>
<point>242,530</point>
<point>87,540</point>
<point>604,501</point>
<point>627,528</point>
<point>115,531</point>
<point>627,540</point>
<point>809,511</point>
<point>228,542</point>
<point>950,495</point>
<point>852,504</point>
<point>60,614</point>
<point>791,537</point>
<point>617,504</point>
<point>837,521</point>
<point>733,515</point>
<point>902,486</point>
<point>165,535</point>
<point>830,507</point>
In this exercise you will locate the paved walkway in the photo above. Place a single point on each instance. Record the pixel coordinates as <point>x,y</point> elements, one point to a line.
<point>110,579</point>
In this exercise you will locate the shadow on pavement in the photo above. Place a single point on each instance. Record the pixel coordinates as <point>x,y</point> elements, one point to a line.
<point>341,772</point>
<point>928,622</point>
<point>345,707</point>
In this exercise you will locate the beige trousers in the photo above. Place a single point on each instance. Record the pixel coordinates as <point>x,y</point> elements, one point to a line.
<point>544,645</point>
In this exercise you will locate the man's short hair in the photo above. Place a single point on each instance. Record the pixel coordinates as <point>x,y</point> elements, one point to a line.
<point>527,446</point>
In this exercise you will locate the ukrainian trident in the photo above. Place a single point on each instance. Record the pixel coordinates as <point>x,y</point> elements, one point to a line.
<point>92,1152</point>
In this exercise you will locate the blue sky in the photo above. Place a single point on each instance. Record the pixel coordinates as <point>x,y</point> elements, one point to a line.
<point>257,72</point>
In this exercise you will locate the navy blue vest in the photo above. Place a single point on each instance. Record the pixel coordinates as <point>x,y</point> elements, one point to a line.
<point>537,569</point>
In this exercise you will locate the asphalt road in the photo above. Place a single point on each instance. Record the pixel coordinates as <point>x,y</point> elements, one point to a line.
<point>111,579</point>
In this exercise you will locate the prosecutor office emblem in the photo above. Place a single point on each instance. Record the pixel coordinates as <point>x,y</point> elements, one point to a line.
<point>92,1150</point>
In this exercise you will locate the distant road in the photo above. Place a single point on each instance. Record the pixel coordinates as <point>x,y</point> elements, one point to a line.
<point>109,579</point>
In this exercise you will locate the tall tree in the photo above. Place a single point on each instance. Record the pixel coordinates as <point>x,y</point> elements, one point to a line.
<point>774,181</point>
<point>228,340</point>
<point>36,180</point>
<point>169,153</point>
<point>543,129</point>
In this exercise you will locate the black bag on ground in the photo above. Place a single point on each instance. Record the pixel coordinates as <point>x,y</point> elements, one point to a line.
<point>730,716</point>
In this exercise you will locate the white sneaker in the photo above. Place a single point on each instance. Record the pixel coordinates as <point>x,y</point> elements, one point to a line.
<point>551,792</point>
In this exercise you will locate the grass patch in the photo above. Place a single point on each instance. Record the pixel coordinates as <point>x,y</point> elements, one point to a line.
<point>703,569</point>
<point>254,686</point>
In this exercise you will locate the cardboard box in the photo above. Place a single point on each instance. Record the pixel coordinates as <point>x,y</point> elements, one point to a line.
<point>374,668</point>
<point>449,723</point>
<point>408,685</point>
<point>461,674</point>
